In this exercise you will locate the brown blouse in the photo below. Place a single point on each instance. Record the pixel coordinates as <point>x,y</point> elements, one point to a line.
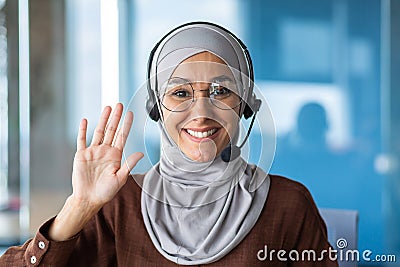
<point>116,236</point>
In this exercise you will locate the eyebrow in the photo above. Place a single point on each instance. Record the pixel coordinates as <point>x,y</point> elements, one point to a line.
<point>222,78</point>
<point>173,81</point>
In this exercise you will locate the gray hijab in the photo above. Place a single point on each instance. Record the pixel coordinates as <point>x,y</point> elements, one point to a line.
<point>196,213</point>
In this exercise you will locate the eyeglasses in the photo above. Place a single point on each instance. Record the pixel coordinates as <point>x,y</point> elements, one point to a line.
<point>178,94</point>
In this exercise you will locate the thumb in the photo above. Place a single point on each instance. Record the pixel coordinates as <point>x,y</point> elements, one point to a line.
<point>129,164</point>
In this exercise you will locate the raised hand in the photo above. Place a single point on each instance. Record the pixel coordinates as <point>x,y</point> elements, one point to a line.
<point>97,174</point>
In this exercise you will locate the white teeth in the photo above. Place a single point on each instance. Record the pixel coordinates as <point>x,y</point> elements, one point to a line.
<point>201,134</point>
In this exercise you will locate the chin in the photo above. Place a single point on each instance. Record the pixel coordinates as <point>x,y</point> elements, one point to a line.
<point>205,156</point>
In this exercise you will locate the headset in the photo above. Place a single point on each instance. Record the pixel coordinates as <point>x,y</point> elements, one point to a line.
<point>252,103</point>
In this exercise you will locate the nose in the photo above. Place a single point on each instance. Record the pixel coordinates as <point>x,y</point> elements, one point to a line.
<point>202,107</point>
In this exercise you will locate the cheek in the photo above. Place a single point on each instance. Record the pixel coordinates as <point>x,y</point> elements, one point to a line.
<point>230,129</point>
<point>229,132</point>
<point>232,124</point>
<point>172,122</point>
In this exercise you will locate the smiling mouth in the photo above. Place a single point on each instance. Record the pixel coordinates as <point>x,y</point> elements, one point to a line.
<point>204,134</point>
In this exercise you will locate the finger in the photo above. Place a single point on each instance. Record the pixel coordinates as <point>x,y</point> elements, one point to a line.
<point>81,139</point>
<point>113,124</point>
<point>99,131</point>
<point>123,132</point>
<point>129,164</point>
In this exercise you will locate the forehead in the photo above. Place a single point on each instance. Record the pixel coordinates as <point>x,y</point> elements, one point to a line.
<point>204,56</point>
<point>203,66</point>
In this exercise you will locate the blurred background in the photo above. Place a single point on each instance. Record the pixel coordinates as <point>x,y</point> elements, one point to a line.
<point>329,69</point>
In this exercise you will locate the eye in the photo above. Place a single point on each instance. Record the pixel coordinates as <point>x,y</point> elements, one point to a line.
<point>178,89</point>
<point>218,90</point>
<point>181,93</point>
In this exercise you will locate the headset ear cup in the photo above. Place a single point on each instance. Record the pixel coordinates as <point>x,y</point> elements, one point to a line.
<point>247,112</point>
<point>154,114</point>
<point>152,109</point>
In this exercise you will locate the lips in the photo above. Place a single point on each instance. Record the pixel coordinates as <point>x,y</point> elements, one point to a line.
<point>201,134</point>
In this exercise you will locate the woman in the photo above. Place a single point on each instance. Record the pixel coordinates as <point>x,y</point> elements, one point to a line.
<point>202,203</point>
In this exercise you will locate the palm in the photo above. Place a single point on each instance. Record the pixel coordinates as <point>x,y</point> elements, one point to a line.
<point>98,174</point>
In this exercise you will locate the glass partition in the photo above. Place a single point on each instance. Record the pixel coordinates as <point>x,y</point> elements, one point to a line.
<point>320,65</point>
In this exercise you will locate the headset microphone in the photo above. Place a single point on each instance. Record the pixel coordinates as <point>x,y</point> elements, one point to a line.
<point>232,152</point>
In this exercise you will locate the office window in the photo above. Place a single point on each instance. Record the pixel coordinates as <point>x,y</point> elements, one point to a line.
<point>319,64</point>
